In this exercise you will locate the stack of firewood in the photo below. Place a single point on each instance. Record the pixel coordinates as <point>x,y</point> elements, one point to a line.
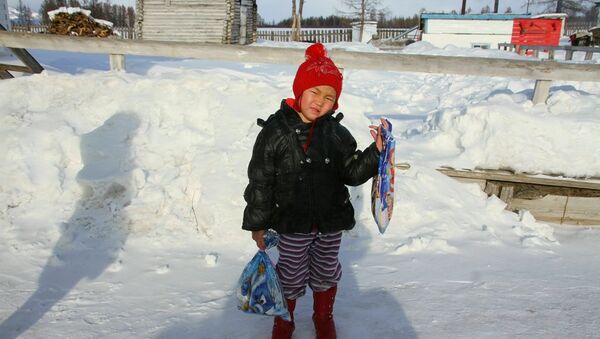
<point>78,24</point>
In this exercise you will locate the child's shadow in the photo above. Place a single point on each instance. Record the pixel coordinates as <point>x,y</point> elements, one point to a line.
<point>359,313</point>
<point>93,237</point>
<point>367,312</point>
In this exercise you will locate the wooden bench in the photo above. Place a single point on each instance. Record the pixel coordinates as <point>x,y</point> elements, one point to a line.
<point>552,199</point>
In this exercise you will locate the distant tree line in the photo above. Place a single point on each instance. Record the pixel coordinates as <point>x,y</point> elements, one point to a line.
<point>119,15</point>
<point>337,21</point>
<point>584,14</point>
<point>312,22</point>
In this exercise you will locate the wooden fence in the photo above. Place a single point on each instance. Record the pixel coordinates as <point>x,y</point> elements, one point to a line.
<point>551,50</point>
<point>123,32</point>
<point>386,33</point>
<point>573,27</point>
<point>324,35</point>
<point>30,28</point>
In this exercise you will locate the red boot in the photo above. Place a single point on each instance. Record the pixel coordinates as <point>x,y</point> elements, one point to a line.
<point>283,329</point>
<point>323,316</point>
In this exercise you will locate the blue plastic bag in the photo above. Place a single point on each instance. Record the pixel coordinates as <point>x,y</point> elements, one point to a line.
<point>382,191</point>
<point>259,290</point>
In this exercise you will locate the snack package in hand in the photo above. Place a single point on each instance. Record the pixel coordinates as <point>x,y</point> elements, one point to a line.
<point>259,290</point>
<point>382,191</point>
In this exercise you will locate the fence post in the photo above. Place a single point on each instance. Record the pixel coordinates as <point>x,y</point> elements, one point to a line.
<point>117,62</point>
<point>541,91</point>
<point>569,54</point>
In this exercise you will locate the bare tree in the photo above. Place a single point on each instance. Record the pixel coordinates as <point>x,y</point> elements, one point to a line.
<point>360,10</point>
<point>563,6</point>
<point>25,16</point>
<point>297,20</point>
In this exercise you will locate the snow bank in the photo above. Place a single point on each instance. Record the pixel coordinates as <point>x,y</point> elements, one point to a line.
<point>164,153</point>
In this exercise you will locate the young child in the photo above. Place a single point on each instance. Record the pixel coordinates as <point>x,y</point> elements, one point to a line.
<point>301,163</point>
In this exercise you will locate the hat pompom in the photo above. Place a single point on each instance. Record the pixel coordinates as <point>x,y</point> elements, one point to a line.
<point>316,51</point>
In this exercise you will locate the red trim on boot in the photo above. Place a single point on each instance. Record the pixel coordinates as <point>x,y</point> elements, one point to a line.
<point>283,329</point>
<point>323,316</point>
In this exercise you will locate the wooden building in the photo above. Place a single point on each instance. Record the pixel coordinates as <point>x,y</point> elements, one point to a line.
<point>4,15</point>
<point>489,30</point>
<point>5,22</point>
<point>214,21</point>
<point>471,30</point>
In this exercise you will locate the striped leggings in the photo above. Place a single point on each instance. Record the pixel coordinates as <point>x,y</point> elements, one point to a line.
<point>308,259</point>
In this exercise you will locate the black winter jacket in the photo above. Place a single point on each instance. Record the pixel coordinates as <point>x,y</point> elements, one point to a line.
<point>293,192</point>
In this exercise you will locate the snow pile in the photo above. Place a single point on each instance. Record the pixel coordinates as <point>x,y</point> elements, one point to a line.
<point>423,47</point>
<point>68,10</point>
<point>506,131</point>
<point>166,153</point>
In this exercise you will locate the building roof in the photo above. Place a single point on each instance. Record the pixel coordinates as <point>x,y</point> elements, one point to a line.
<point>487,16</point>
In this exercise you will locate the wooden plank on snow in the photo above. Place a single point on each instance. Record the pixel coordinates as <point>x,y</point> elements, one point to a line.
<point>583,211</point>
<point>550,208</point>
<point>564,200</point>
<point>521,178</point>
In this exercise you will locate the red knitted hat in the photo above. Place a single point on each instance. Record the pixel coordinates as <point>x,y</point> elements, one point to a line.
<point>317,70</point>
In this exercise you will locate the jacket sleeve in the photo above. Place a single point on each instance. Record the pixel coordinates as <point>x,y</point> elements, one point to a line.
<point>359,166</point>
<point>259,192</point>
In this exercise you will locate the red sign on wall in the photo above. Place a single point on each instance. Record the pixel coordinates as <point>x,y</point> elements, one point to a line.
<point>538,32</point>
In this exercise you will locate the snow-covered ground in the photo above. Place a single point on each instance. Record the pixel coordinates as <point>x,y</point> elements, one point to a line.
<point>121,203</point>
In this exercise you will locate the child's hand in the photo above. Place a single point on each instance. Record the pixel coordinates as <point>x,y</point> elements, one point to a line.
<point>258,236</point>
<point>376,134</point>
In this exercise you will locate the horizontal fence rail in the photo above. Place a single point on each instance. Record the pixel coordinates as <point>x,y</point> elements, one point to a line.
<point>541,71</point>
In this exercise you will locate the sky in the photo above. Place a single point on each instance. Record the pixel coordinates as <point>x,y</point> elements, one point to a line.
<point>281,9</point>
<point>121,202</point>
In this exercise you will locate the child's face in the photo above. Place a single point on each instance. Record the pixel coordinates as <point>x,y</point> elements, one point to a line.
<point>316,102</point>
